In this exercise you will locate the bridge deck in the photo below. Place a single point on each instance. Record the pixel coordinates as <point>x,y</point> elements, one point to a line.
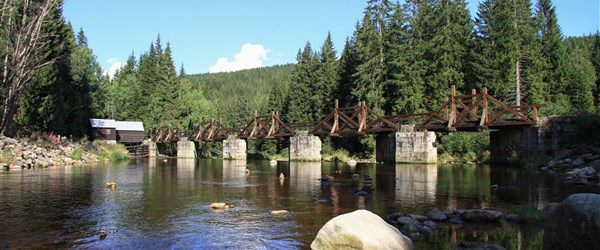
<point>474,112</point>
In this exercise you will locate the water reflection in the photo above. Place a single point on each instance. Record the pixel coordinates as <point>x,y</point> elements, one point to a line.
<point>416,183</point>
<point>234,171</point>
<point>165,204</point>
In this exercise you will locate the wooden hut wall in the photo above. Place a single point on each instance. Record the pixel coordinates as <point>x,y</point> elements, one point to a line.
<point>108,134</point>
<point>129,136</point>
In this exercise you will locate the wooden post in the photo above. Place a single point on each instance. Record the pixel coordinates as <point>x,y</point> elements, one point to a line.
<point>474,99</point>
<point>452,117</point>
<point>336,117</point>
<point>484,112</point>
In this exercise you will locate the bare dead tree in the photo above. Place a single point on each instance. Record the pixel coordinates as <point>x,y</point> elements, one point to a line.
<point>24,38</point>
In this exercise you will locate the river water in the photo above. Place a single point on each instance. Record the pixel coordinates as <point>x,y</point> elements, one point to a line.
<point>166,204</point>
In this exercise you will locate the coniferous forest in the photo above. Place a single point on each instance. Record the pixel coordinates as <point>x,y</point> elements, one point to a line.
<point>402,58</point>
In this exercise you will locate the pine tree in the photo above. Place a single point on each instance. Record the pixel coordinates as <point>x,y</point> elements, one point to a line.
<point>582,78</point>
<point>421,27</point>
<point>371,47</point>
<point>328,79</point>
<point>401,96</point>
<point>553,51</point>
<point>444,28</point>
<point>123,93</point>
<point>49,92</point>
<point>510,56</point>
<point>347,71</point>
<point>596,63</point>
<point>300,107</point>
<point>149,78</point>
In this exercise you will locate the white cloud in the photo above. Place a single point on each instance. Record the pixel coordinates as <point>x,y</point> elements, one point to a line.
<point>250,56</point>
<point>115,65</point>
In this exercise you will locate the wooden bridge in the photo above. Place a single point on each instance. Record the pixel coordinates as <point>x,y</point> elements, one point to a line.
<point>474,112</point>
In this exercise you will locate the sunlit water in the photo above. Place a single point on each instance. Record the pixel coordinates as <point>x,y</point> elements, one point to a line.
<point>159,204</point>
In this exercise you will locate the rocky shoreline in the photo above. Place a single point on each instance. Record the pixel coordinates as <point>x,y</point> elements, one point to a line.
<point>578,165</point>
<point>42,152</point>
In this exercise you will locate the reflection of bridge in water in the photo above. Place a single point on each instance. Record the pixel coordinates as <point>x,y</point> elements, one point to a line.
<point>473,112</point>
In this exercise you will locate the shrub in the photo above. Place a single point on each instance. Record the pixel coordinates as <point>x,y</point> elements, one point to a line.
<point>529,213</point>
<point>76,154</point>
<point>473,147</point>
<point>112,152</point>
<point>6,157</point>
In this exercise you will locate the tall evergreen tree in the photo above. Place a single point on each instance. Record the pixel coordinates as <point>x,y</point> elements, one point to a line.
<point>596,63</point>
<point>50,94</point>
<point>510,57</point>
<point>582,78</point>
<point>400,94</point>
<point>148,76</point>
<point>552,49</point>
<point>328,78</point>
<point>371,48</point>
<point>300,107</point>
<point>421,29</point>
<point>449,48</point>
<point>347,72</point>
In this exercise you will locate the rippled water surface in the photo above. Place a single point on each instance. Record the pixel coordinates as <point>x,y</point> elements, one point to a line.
<point>158,204</point>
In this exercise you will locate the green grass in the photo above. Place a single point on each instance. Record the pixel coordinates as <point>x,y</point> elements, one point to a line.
<point>530,213</point>
<point>341,155</point>
<point>76,154</point>
<point>6,157</point>
<point>111,152</point>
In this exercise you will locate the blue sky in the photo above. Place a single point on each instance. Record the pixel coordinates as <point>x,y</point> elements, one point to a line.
<point>228,35</point>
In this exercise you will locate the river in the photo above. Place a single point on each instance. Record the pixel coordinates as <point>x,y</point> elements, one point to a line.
<point>166,204</point>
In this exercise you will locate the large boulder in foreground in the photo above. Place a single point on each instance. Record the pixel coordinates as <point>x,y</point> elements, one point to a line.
<point>574,224</point>
<point>360,229</point>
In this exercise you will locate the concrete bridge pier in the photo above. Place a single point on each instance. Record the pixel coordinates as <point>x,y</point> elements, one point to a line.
<point>234,149</point>
<point>406,146</point>
<point>549,135</point>
<point>152,149</point>
<point>185,148</point>
<point>304,147</point>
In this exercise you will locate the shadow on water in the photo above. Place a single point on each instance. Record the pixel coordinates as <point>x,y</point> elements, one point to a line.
<point>166,204</point>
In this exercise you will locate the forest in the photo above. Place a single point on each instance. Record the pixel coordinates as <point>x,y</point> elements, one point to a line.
<point>402,58</point>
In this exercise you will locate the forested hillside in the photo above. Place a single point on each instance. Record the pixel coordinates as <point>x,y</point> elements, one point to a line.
<point>402,58</point>
<point>237,94</point>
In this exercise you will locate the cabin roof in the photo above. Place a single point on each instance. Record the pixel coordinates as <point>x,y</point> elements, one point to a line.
<point>103,123</point>
<point>130,126</point>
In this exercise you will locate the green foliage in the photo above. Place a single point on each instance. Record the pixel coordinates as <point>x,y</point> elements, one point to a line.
<point>112,152</point>
<point>471,147</point>
<point>529,213</point>
<point>76,153</point>
<point>587,127</point>
<point>6,157</point>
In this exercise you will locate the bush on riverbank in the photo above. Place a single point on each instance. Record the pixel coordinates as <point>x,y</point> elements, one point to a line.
<point>463,147</point>
<point>111,152</point>
<point>529,213</point>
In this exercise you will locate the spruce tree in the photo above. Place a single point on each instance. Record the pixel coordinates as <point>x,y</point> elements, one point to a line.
<point>552,49</point>
<point>328,78</point>
<point>371,48</point>
<point>347,71</point>
<point>300,107</point>
<point>401,96</point>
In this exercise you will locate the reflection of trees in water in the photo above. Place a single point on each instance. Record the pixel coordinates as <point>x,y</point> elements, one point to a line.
<point>509,236</point>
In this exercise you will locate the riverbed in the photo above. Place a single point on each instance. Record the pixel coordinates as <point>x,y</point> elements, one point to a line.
<point>166,204</point>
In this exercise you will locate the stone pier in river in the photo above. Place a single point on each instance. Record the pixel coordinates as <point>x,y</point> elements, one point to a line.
<point>186,148</point>
<point>234,149</point>
<point>304,147</point>
<point>407,146</point>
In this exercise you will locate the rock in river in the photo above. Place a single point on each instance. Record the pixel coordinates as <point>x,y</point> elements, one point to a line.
<point>360,229</point>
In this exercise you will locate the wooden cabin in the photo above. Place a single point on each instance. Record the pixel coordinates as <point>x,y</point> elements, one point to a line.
<point>129,132</point>
<point>104,129</point>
